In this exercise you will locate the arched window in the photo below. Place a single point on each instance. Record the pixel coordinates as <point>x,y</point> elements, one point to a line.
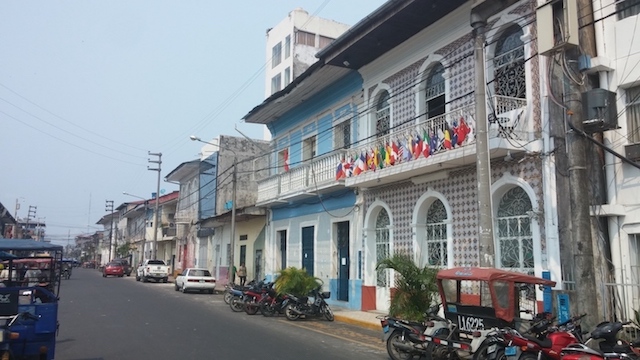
<point>434,92</point>
<point>383,114</point>
<point>508,64</point>
<point>515,239</point>
<point>382,246</point>
<point>436,235</point>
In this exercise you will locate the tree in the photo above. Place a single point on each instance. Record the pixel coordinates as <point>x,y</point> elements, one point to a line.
<point>415,288</point>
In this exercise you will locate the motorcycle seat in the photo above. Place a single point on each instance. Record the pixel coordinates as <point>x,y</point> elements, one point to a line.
<point>546,343</point>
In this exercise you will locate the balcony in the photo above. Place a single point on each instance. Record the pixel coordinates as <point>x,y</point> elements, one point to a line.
<point>447,140</point>
<point>310,178</point>
<point>454,145</point>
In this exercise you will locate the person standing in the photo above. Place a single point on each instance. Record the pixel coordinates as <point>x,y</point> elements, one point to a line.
<point>242,274</point>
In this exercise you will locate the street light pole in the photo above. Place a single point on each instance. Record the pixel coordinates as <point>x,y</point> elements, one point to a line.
<point>232,239</point>
<point>109,208</point>
<point>155,212</point>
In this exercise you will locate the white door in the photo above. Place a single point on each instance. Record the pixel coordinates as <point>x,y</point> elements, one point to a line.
<point>383,251</point>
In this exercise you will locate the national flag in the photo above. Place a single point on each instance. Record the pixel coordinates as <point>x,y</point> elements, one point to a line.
<point>395,152</point>
<point>446,140</point>
<point>426,148</point>
<point>440,139</point>
<point>463,131</point>
<point>347,167</point>
<point>417,148</point>
<point>404,149</point>
<point>340,171</point>
<point>388,157</point>
<point>434,142</point>
<point>360,165</point>
<point>454,134</point>
<point>382,154</point>
<point>285,156</point>
<point>376,158</point>
<point>371,164</point>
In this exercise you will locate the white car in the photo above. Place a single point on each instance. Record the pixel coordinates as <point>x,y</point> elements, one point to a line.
<point>195,279</point>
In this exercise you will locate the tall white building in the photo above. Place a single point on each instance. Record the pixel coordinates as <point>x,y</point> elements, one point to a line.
<point>293,44</point>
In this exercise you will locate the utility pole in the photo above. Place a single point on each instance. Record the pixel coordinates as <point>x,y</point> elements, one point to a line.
<point>581,237</point>
<point>483,164</point>
<point>31,214</point>
<point>155,212</point>
<point>17,229</point>
<point>109,209</point>
<point>233,218</point>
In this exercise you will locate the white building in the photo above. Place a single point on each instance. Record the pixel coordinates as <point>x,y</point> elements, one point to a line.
<point>616,66</point>
<point>293,44</point>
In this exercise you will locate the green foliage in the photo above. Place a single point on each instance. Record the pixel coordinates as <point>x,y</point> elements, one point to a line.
<point>415,287</point>
<point>123,250</point>
<point>295,281</point>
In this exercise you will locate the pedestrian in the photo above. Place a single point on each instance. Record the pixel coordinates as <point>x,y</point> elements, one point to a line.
<point>242,274</point>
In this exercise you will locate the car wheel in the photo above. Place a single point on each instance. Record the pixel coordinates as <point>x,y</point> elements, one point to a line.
<point>211,291</point>
<point>183,289</point>
<point>165,280</point>
<point>176,287</point>
<point>144,279</point>
<point>104,275</point>
<point>137,277</point>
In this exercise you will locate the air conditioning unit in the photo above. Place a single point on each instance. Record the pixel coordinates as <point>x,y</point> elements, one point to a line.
<point>599,110</point>
<point>557,26</point>
<point>632,152</point>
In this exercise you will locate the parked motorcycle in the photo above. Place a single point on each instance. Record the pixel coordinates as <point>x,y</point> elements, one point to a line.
<point>608,345</point>
<point>237,300</point>
<point>301,306</point>
<point>406,339</point>
<point>253,296</point>
<point>542,340</point>
<point>272,303</point>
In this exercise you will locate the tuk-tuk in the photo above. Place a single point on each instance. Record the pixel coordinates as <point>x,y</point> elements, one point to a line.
<point>476,300</point>
<point>29,288</point>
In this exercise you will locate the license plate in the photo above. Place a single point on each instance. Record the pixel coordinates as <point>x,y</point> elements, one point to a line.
<point>492,348</point>
<point>385,329</point>
<point>201,281</point>
<point>510,351</point>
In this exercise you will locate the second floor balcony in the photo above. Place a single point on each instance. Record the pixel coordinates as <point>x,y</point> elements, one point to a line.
<point>410,151</point>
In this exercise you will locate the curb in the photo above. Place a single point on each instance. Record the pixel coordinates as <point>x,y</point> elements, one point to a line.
<point>352,321</point>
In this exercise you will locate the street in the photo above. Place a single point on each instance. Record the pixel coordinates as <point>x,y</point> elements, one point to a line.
<point>119,318</point>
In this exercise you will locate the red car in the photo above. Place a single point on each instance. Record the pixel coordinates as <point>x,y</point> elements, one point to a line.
<point>113,269</point>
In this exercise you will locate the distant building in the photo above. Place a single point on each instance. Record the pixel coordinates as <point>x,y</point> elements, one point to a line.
<point>292,46</point>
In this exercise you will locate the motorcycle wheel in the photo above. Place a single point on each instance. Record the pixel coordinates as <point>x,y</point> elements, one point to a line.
<point>290,313</point>
<point>236,304</point>
<point>227,297</point>
<point>481,354</point>
<point>327,312</point>
<point>251,307</point>
<point>393,351</point>
<point>266,309</point>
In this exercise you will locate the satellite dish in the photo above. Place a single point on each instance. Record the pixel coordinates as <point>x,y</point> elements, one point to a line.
<point>162,191</point>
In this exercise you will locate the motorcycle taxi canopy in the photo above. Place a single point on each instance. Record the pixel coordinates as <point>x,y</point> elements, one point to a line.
<point>501,285</point>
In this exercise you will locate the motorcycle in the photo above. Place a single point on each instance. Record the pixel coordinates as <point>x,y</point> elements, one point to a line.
<point>540,341</point>
<point>406,339</point>
<point>272,303</point>
<point>610,347</point>
<point>253,296</point>
<point>301,306</point>
<point>237,300</point>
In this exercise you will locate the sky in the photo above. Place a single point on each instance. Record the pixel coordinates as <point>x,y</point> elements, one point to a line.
<point>88,88</point>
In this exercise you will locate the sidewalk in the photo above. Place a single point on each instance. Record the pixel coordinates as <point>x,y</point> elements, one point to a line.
<point>365,319</point>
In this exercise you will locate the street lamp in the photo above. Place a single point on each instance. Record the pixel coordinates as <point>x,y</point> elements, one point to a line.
<point>144,232</point>
<point>233,204</point>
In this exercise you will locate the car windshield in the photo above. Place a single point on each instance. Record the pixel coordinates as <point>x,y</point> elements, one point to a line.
<point>112,264</point>
<point>155,262</point>
<point>199,273</point>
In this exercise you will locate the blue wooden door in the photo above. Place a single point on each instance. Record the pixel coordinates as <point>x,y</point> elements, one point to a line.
<point>307,249</point>
<point>343,260</point>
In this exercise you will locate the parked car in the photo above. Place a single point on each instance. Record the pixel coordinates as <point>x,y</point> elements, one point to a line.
<point>113,268</point>
<point>195,279</point>
<point>125,265</point>
<point>153,270</point>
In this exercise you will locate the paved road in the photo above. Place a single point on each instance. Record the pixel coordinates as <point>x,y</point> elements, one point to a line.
<point>119,318</point>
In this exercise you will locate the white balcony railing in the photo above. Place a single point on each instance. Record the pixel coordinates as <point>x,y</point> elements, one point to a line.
<point>307,177</point>
<point>406,143</point>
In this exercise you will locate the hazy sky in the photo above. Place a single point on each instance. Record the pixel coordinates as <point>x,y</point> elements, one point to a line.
<point>87,88</point>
